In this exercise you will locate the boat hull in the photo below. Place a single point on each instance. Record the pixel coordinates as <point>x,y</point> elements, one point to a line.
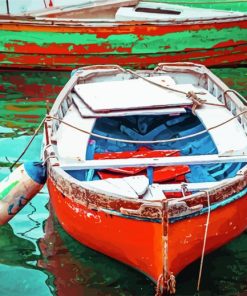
<point>139,243</point>
<point>64,47</point>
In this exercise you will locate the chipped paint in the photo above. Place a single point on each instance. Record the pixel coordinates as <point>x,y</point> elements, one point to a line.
<point>140,45</point>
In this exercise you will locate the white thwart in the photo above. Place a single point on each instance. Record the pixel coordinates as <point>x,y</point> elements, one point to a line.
<point>69,164</point>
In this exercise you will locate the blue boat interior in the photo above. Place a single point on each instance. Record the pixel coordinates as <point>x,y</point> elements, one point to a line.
<point>155,128</point>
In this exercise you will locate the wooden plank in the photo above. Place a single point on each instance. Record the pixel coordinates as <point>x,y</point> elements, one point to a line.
<point>86,7</point>
<point>73,143</point>
<point>168,12</point>
<point>86,112</point>
<point>133,94</point>
<point>153,162</point>
<point>131,187</point>
<point>227,137</point>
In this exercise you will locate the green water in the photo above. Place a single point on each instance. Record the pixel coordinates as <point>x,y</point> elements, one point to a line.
<point>38,258</point>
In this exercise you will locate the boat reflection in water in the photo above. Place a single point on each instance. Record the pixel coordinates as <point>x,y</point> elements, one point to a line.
<point>78,270</point>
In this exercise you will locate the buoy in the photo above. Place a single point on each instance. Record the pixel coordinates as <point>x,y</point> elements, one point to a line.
<point>20,187</point>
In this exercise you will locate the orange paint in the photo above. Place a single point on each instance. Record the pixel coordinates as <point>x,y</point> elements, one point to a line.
<point>138,243</point>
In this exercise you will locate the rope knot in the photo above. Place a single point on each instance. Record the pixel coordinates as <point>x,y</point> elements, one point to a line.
<point>171,284</point>
<point>197,102</point>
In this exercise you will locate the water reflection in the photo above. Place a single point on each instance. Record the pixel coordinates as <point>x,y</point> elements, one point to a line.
<point>79,270</point>
<point>24,96</point>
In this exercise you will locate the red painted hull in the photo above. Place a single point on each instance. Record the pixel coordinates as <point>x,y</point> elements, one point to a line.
<point>210,58</point>
<point>138,243</point>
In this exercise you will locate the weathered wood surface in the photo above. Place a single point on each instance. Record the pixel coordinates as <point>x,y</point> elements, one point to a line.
<point>66,44</point>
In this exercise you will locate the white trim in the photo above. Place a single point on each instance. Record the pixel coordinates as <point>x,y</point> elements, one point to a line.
<point>153,162</point>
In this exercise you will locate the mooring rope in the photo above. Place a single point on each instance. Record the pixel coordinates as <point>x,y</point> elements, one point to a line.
<point>159,286</point>
<point>204,243</point>
<point>148,141</point>
<point>190,95</point>
<point>29,143</point>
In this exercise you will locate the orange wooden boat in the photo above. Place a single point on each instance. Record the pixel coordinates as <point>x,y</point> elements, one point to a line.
<point>161,207</point>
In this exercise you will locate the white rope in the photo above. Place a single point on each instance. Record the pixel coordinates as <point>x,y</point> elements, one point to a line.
<point>146,142</point>
<point>204,243</point>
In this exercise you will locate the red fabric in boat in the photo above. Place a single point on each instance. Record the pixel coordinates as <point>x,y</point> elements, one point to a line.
<point>161,174</point>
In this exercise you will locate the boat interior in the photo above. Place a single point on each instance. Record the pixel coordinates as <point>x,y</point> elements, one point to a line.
<point>133,118</point>
<point>129,10</point>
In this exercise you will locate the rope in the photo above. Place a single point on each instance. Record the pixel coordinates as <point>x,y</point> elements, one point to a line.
<point>29,143</point>
<point>190,95</point>
<point>236,93</point>
<point>171,284</point>
<point>204,244</point>
<point>159,286</point>
<point>146,142</point>
<point>155,83</point>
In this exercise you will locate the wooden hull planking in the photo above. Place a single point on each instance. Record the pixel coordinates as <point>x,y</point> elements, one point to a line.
<point>138,242</point>
<point>69,46</point>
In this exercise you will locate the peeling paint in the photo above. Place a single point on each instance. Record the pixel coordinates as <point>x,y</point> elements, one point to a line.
<point>56,47</point>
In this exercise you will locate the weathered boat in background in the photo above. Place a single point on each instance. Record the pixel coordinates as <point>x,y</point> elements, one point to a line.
<point>148,167</point>
<point>123,32</point>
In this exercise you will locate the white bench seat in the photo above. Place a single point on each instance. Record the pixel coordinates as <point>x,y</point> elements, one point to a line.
<point>72,143</point>
<point>228,137</point>
<point>130,187</point>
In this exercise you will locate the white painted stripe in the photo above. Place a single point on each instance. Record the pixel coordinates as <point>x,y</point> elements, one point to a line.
<point>153,162</point>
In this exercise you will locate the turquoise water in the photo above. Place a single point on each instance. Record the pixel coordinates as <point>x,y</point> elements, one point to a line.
<point>38,258</point>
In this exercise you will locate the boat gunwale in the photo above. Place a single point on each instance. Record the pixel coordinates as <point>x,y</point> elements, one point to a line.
<point>57,22</point>
<point>203,211</point>
<point>146,209</point>
<point>105,23</point>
